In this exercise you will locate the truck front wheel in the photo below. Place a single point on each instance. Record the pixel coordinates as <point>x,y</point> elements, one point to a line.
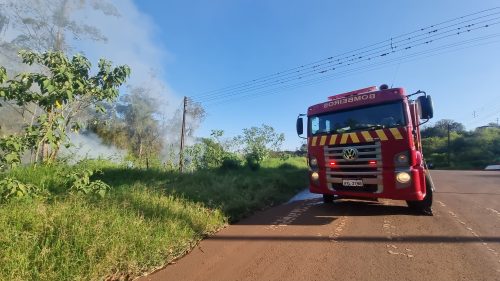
<point>328,198</point>
<point>424,206</point>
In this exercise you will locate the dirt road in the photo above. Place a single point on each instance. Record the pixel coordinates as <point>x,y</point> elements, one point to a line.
<point>352,240</point>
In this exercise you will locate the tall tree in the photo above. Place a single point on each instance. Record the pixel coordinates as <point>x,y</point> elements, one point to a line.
<point>440,128</point>
<point>41,26</point>
<point>140,111</point>
<point>134,123</point>
<point>46,25</point>
<point>67,89</point>
<point>259,141</point>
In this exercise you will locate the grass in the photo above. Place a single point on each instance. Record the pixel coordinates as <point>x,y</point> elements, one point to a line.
<point>149,218</point>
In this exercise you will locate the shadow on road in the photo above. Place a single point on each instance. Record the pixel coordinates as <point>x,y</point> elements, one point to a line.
<point>366,208</point>
<point>400,239</point>
<point>314,212</point>
<point>468,193</point>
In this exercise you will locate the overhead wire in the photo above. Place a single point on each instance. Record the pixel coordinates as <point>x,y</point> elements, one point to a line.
<point>302,76</point>
<point>258,88</point>
<point>431,36</point>
<point>487,114</point>
<point>384,42</point>
<point>361,69</point>
<point>342,64</point>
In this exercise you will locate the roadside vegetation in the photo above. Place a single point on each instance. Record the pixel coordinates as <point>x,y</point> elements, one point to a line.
<point>466,149</point>
<point>146,218</point>
<point>97,219</point>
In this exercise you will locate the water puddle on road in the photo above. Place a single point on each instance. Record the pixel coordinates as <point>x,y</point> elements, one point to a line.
<point>304,195</point>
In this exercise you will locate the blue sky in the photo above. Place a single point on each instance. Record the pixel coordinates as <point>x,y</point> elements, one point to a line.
<point>209,45</point>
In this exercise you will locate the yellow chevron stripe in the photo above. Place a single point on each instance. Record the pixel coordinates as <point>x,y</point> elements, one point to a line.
<point>322,140</point>
<point>333,139</point>
<point>395,132</point>
<point>367,136</point>
<point>343,138</point>
<point>313,141</point>
<point>354,137</point>
<point>381,135</point>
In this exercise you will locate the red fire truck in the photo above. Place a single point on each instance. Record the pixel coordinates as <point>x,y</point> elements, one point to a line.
<point>366,144</point>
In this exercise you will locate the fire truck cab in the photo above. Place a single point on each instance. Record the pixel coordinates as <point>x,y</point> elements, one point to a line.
<point>366,144</point>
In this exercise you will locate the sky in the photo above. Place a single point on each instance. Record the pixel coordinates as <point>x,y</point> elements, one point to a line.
<point>200,46</point>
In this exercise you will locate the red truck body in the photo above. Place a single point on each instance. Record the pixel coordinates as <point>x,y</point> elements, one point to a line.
<point>366,143</point>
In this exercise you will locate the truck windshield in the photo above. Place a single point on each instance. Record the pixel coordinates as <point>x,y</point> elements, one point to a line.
<point>374,117</point>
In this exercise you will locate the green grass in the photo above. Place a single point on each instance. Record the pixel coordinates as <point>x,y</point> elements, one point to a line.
<point>149,218</point>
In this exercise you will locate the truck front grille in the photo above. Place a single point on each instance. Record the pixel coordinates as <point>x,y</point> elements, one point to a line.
<point>359,168</point>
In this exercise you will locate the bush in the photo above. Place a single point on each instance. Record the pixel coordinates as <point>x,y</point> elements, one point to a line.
<point>253,161</point>
<point>231,163</point>
<point>12,188</point>
<point>286,166</point>
<point>81,183</point>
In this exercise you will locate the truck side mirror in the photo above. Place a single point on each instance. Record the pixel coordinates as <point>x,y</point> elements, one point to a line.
<point>300,125</point>
<point>426,107</point>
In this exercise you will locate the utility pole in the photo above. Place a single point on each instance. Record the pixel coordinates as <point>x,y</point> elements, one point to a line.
<point>181,152</point>
<point>449,145</point>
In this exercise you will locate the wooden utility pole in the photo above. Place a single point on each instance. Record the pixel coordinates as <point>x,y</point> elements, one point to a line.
<point>183,129</point>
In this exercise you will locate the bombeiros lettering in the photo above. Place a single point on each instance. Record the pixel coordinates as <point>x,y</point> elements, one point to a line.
<point>349,100</point>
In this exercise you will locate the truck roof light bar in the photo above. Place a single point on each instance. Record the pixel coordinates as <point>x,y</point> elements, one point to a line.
<point>357,92</point>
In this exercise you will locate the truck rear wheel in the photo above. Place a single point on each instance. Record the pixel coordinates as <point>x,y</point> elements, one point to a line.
<point>424,206</point>
<point>328,198</point>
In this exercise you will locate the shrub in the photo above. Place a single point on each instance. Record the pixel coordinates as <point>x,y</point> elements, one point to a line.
<point>287,166</point>
<point>81,184</point>
<point>253,161</point>
<point>231,163</point>
<point>12,188</point>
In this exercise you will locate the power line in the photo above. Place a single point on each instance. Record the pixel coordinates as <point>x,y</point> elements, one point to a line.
<point>477,112</point>
<point>325,65</point>
<point>330,77</point>
<point>343,64</point>
<point>488,114</point>
<point>349,72</point>
<point>384,42</point>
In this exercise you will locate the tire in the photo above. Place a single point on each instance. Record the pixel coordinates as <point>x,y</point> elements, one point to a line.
<point>328,198</point>
<point>424,206</point>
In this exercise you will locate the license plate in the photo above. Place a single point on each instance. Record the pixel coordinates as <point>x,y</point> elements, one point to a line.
<point>352,183</point>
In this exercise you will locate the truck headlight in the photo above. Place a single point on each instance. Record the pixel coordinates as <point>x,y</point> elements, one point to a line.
<point>403,177</point>
<point>314,176</point>
<point>313,162</point>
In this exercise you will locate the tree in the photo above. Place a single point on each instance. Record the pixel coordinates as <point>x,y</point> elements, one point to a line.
<point>140,114</point>
<point>59,93</point>
<point>134,123</point>
<point>440,128</point>
<point>258,142</point>
<point>474,149</point>
<point>45,25</point>
<point>41,26</point>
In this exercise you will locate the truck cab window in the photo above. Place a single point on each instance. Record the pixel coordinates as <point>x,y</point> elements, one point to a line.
<point>379,116</point>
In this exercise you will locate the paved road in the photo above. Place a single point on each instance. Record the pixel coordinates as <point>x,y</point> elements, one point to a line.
<point>307,240</point>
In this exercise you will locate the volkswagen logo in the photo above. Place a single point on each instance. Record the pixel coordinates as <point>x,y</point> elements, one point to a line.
<point>350,153</point>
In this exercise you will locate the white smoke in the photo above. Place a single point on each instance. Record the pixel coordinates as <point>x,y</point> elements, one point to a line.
<point>131,40</point>
<point>89,146</point>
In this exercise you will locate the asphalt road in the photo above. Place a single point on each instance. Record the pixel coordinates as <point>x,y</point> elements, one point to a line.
<point>353,240</point>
